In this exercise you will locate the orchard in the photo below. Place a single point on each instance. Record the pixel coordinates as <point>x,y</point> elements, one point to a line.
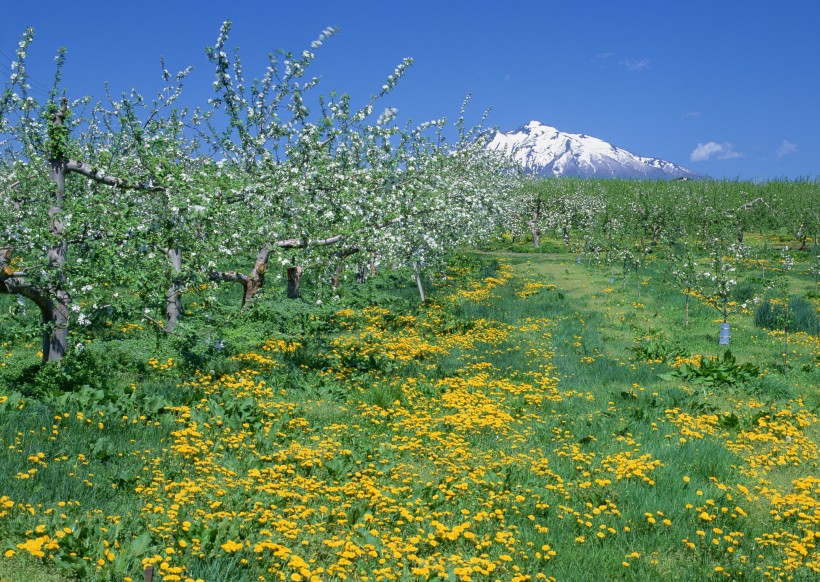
<point>279,335</point>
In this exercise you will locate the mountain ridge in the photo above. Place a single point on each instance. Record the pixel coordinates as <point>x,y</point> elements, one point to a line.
<point>544,150</point>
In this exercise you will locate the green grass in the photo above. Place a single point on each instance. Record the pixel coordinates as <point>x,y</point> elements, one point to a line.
<point>28,570</point>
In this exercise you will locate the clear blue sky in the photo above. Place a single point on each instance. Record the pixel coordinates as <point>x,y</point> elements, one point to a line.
<point>727,88</point>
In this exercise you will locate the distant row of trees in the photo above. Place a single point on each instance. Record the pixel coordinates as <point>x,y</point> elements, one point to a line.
<point>581,211</point>
<point>699,227</point>
<point>101,198</point>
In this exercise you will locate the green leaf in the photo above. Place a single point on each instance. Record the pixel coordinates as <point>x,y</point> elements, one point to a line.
<point>140,545</point>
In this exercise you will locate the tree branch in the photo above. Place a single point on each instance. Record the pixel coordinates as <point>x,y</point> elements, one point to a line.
<point>229,276</point>
<point>11,187</point>
<point>348,252</point>
<point>297,243</point>
<point>93,173</point>
<point>749,204</point>
<point>18,286</point>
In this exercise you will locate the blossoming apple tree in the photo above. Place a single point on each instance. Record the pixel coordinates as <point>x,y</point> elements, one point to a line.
<point>124,204</point>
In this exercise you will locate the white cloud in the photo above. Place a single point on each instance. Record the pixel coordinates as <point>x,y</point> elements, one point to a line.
<point>602,56</point>
<point>721,151</point>
<point>692,114</point>
<point>785,149</point>
<point>635,64</point>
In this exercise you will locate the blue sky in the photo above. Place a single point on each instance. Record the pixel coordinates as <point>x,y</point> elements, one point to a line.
<point>727,88</point>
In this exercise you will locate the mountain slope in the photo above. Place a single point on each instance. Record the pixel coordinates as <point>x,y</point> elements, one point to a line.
<point>544,150</point>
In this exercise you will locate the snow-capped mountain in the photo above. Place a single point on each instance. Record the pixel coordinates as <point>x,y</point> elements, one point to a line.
<point>544,150</point>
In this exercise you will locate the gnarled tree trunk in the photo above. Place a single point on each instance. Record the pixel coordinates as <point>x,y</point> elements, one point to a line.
<point>294,278</point>
<point>54,307</point>
<point>252,282</point>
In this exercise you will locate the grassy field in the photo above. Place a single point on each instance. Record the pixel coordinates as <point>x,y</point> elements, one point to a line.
<point>535,420</point>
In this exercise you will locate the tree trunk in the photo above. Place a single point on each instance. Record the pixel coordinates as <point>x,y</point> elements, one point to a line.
<point>536,232</point>
<point>173,298</point>
<point>55,339</point>
<point>256,278</point>
<point>252,282</point>
<point>337,274</point>
<point>656,234</point>
<point>294,278</point>
<point>418,280</point>
<point>340,267</point>
<point>361,273</point>
<point>54,310</point>
<point>56,304</point>
<point>251,288</point>
<point>373,268</point>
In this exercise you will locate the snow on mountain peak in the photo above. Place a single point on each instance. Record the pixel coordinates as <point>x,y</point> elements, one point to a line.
<point>544,150</point>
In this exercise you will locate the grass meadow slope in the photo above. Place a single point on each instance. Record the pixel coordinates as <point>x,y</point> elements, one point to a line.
<point>536,419</point>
